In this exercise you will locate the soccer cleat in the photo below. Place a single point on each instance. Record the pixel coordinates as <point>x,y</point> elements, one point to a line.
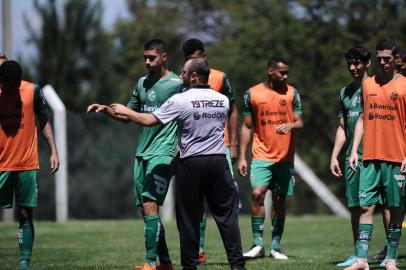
<point>202,257</point>
<point>389,264</point>
<point>255,252</point>
<point>381,255</point>
<point>145,267</point>
<point>24,265</point>
<point>165,266</point>
<point>348,262</point>
<point>359,264</point>
<point>278,254</point>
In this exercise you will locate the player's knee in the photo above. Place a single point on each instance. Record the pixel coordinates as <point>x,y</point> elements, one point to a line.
<point>258,196</point>
<point>24,212</point>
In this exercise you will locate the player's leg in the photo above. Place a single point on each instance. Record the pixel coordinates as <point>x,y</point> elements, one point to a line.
<point>202,233</point>
<point>351,180</point>
<point>394,186</point>
<point>189,208</point>
<point>155,186</point>
<point>282,184</point>
<point>259,176</point>
<point>26,200</point>
<point>369,196</point>
<point>381,255</point>
<point>221,196</point>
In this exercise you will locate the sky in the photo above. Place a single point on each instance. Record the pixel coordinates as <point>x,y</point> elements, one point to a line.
<point>113,10</point>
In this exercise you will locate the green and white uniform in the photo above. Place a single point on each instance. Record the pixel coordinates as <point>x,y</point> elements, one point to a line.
<point>350,109</point>
<point>156,146</point>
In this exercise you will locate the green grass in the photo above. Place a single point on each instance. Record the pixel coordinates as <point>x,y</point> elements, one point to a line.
<point>311,243</point>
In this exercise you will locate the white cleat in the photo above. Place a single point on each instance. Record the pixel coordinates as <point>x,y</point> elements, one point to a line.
<point>278,254</point>
<point>255,252</point>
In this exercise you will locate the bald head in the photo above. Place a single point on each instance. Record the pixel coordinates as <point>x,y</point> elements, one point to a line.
<point>198,69</point>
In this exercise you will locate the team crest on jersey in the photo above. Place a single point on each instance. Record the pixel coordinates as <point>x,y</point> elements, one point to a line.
<point>356,101</point>
<point>152,95</point>
<point>282,102</point>
<point>196,116</point>
<point>394,95</point>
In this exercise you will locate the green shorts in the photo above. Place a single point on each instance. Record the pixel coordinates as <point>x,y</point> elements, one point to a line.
<point>352,184</point>
<point>21,183</point>
<point>230,164</point>
<point>277,176</point>
<point>381,180</point>
<point>152,178</point>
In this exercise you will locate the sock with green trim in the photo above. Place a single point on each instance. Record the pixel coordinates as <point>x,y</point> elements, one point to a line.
<point>257,224</point>
<point>162,248</point>
<point>202,234</point>
<point>151,238</point>
<point>278,224</point>
<point>394,234</point>
<point>364,237</point>
<point>25,240</point>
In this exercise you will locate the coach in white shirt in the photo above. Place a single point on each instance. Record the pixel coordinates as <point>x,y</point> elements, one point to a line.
<point>202,169</point>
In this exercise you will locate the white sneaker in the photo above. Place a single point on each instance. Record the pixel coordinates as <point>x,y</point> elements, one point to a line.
<point>278,254</point>
<point>255,252</point>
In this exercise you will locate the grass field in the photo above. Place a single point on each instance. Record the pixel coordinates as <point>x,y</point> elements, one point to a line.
<point>311,243</point>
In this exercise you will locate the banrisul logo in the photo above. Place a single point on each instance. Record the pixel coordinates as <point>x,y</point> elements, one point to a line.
<point>152,95</point>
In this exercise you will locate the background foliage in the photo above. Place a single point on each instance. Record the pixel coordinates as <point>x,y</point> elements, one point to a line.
<point>85,63</point>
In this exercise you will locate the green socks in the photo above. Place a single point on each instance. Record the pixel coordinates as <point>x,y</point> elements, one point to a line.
<point>364,236</point>
<point>162,248</point>
<point>202,234</point>
<point>278,225</point>
<point>25,241</point>
<point>258,229</point>
<point>395,231</point>
<point>151,235</point>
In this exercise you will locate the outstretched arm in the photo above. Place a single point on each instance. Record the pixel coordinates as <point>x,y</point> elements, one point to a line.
<point>144,119</point>
<point>95,107</point>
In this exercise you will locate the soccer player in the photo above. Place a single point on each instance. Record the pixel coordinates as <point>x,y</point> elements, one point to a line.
<point>358,60</point>
<point>382,128</point>
<point>21,104</point>
<point>202,169</point>
<point>218,80</point>
<point>273,109</point>
<point>156,147</point>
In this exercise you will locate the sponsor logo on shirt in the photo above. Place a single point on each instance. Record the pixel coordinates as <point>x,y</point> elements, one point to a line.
<point>145,108</point>
<point>352,114</point>
<point>152,95</point>
<point>372,94</point>
<point>282,102</point>
<point>168,105</point>
<point>372,116</point>
<point>268,113</point>
<point>383,107</point>
<point>208,103</point>
<point>218,115</point>
<point>271,122</point>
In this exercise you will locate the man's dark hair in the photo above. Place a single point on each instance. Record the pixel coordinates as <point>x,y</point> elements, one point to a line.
<point>3,56</point>
<point>275,60</point>
<point>192,45</point>
<point>401,53</point>
<point>156,44</point>
<point>387,44</point>
<point>202,69</point>
<point>11,74</point>
<point>358,53</point>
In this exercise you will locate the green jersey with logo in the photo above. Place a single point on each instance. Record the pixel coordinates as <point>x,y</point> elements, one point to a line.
<point>350,109</point>
<point>149,95</point>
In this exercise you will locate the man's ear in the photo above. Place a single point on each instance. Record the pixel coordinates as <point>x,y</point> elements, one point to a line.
<point>164,57</point>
